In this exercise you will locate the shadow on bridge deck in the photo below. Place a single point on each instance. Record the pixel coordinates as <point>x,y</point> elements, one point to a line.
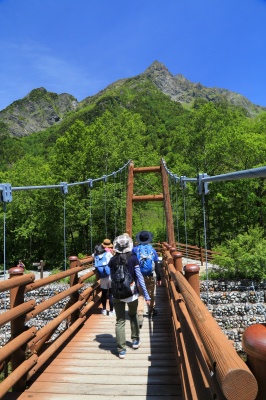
<point>88,366</point>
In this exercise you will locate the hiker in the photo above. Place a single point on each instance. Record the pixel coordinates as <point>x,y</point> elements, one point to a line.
<point>149,267</point>
<point>20,264</point>
<point>108,246</point>
<point>102,255</point>
<point>124,268</point>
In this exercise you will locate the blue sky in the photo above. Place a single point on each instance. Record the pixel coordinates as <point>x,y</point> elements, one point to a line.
<point>79,47</point>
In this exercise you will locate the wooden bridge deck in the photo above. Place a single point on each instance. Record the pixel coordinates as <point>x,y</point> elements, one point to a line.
<point>88,366</point>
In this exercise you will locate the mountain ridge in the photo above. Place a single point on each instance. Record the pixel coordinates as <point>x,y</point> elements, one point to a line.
<point>37,111</point>
<point>41,109</point>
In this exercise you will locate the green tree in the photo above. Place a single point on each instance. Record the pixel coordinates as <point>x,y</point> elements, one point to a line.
<point>244,256</point>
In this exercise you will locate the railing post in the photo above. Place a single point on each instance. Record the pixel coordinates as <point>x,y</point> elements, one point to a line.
<point>42,263</point>
<point>73,281</point>
<point>192,276</point>
<point>177,257</point>
<point>254,344</point>
<point>17,326</point>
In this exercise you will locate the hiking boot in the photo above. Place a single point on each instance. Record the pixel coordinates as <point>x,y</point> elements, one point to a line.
<point>122,354</point>
<point>136,343</point>
<point>104,312</point>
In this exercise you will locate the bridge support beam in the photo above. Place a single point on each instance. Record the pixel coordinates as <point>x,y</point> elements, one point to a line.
<point>167,207</point>
<point>165,197</point>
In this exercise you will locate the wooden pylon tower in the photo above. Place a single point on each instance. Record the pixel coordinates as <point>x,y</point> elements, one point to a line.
<point>165,197</point>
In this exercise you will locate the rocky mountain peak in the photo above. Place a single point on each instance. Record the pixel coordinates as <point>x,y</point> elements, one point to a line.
<point>181,89</point>
<point>36,111</point>
<point>157,68</point>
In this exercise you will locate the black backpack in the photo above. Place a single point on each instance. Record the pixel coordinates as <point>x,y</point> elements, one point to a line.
<point>121,279</point>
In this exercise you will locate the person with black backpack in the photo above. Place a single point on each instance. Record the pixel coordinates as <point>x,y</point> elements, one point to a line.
<point>102,255</point>
<point>150,269</point>
<point>126,277</point>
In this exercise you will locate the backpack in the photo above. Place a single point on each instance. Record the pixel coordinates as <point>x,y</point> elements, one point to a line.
<point>121,280</point>
<point>102,265</point>
<point>145,256</point>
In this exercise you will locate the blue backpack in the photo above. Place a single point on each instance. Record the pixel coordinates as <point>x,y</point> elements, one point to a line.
<point>145,256</point>
<point>102,265</point>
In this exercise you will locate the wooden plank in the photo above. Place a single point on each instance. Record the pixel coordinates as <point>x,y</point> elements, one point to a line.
<point>122,370</point>
<point>100,389</point>
<point>84,362</point>
<point>132,357</point>
<point>113,350</point>
<point>107,344</point>
<point>115,379</point>
<point>65,396</point>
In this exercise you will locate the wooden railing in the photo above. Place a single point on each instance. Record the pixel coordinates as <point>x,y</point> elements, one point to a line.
<point>29,348</point>
<point>210,367</point>
<point>195,253</point>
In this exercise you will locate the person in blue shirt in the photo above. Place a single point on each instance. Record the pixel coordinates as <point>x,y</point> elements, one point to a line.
<point>153,278</point>
<point>104,252</point>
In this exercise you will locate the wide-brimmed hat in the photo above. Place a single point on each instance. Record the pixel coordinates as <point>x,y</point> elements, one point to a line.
<point>144,237</point>
<point>107,243</point>
<point>123,244</point>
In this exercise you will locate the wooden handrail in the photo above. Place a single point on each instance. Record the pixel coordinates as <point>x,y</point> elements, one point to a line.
<point>234,377</point>
<point>195,252</point>
<point>16,281</point>
<point>25,341</point>
<point>16,312</point>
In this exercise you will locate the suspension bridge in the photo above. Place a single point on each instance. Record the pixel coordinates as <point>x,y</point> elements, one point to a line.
<point>184,353</point>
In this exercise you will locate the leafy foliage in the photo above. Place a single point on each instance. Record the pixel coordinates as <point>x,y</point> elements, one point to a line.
<point>134,120</point>
<point>244,256</point>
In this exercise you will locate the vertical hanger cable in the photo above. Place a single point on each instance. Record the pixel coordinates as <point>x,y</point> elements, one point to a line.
<point>185,221</point>
<point>205,245</point>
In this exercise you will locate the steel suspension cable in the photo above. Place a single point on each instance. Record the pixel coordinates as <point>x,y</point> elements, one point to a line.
<point>4,251</point>
<point>4,233</point>
<point>115,203</point>
<point>120,201</point>
<point>171,190</point>
<point>185,220</point>
<point>65,249</point>
<point>177,221</point>
<point>205,245</point>
<point>90,207</point>
<point>105,210</point>
<point>125,195</point>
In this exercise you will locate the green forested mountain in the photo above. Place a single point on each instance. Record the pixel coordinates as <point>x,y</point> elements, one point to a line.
<point>139,119</point>
<point>41,109</point>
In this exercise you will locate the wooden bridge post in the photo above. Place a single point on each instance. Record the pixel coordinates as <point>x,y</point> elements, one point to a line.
<point>129,205</point>
<point>177,258</point>
<point>74,262</point>
<point>167,207</point>
<point>192,276</point>
<point>254,344</point>
<point>17,326</point>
